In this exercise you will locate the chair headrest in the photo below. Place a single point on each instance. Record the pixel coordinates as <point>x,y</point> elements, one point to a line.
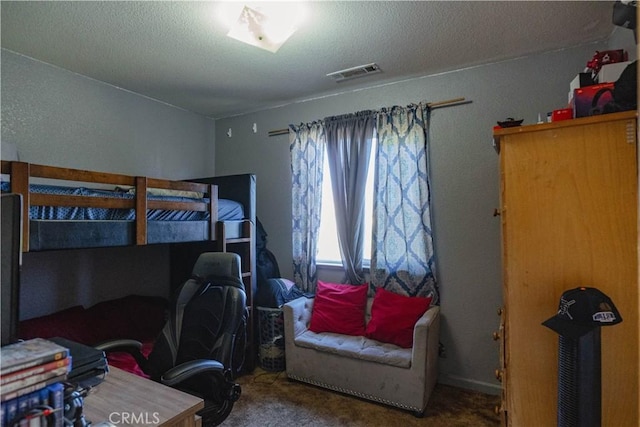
<point>223,266</point>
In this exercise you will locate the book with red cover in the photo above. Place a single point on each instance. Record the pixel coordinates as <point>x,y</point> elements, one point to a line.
<point>39,369</point>
<point>34,379</point>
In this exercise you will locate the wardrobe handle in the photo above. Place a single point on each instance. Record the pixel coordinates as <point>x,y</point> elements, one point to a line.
<point>499,375</point>
<point>496,212</point>
<point>496,336</point>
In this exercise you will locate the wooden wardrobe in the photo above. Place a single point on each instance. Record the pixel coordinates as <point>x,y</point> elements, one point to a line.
<point>569,214</point>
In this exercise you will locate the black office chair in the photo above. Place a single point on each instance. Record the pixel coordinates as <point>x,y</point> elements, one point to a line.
<point>201,347</point>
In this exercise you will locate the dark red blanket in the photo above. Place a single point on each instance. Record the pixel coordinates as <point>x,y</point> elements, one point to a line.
<point>136,317</point>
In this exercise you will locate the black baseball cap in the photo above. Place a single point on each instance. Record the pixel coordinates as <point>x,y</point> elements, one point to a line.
<point>581,310</point>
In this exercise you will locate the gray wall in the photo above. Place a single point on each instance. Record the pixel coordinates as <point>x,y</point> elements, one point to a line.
<point>465,183</point>
<point>59,118</point>
<point>622,38</point>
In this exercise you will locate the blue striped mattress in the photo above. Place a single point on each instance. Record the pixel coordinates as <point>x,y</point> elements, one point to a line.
<point>228,210</point>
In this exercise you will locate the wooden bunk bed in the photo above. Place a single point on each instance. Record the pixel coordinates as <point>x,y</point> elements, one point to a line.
<point>75,209</point>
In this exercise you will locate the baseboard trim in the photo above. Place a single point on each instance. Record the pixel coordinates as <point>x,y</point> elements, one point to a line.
<point>481,386</point>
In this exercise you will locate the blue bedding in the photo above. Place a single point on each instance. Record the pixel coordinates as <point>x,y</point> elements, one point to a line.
<point>228,210</point>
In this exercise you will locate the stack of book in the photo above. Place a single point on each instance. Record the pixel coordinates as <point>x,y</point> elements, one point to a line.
<point>32,373</point>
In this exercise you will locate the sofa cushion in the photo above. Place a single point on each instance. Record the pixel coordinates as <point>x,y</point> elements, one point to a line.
<point>356,347</point>
<point>339,308</point>
<point>394,316</point>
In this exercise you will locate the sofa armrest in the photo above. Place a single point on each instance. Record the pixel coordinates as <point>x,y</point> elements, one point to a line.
<point>426,335</point>
<point>426,321</point>
<point>426,342</point>
<point>297,316</point>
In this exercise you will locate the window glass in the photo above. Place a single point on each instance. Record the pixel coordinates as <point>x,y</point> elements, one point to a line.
<point>328,249</point>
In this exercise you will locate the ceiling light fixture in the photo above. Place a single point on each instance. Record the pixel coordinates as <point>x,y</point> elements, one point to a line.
<point>265,27</point>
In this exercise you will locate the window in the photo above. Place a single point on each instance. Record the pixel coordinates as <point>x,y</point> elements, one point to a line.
<point>328,249</point>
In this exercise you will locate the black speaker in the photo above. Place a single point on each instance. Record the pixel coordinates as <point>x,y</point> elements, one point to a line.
<point>580,381</point>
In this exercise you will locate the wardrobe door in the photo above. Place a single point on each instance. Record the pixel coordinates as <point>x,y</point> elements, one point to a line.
<point>569,219</point>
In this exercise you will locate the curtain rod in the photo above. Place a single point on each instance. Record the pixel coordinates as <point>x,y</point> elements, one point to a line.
<point>432,105</point>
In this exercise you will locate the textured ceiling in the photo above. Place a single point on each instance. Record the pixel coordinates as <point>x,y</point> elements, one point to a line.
<point>177,52</point>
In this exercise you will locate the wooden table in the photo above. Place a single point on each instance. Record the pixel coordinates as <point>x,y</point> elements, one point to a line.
<point>127,399</point>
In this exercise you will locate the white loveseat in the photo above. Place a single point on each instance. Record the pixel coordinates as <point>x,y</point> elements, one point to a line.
<point>356,365</point>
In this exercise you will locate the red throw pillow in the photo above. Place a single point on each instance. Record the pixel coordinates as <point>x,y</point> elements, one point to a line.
<point>339,308</point>
<point>394,316</point>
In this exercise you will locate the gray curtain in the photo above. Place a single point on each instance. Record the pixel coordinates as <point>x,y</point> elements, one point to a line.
<point>348,149</point>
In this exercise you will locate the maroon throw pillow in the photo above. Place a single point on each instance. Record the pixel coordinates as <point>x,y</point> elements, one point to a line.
<point>339,308</point>
<point>394,316</point>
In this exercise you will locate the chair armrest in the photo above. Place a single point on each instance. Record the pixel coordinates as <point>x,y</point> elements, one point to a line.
<point>222,389</point>
<point>130,346</point>
<point>297,315</point>
<point>119,345</point>
<point>186,370</point>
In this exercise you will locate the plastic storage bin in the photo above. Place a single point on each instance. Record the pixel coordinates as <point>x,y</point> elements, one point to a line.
<point>271,352</point>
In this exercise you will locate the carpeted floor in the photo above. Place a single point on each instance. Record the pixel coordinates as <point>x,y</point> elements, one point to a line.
<point>270,399</point>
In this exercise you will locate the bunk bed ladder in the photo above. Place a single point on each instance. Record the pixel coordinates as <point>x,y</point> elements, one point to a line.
<point>245,247</point>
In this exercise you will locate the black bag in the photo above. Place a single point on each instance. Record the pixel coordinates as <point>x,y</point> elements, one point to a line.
<point>625,91</point>
<point>266,262</point>
<point>275,292</point>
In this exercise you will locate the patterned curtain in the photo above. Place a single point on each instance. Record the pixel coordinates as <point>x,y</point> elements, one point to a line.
<point>307,158</point>
<point>403,259</point>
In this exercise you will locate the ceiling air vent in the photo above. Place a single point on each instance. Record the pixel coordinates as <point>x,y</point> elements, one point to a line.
<point>353,72</point>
